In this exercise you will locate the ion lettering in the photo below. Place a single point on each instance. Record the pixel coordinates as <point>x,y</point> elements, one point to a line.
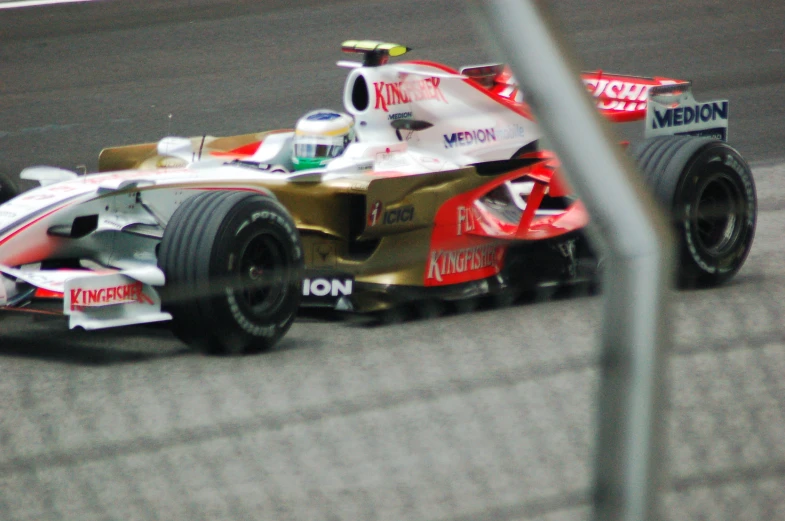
<point>324,287</point>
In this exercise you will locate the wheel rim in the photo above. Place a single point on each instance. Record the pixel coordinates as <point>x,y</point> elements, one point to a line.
<point>264,273</point>
<point>717,215</point>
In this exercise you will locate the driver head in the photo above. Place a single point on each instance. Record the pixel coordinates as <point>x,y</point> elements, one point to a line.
<point>320,136</point>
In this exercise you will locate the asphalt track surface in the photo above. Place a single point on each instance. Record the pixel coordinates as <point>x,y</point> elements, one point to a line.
<point>488,415</point>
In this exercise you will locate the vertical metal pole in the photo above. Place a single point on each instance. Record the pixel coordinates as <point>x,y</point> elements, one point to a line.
<point>637,246</point>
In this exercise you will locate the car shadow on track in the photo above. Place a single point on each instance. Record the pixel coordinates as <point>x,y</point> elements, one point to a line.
<point>54,343</point>
<point>79,354</point>
<point>48,339</point>
<point>431,309</point>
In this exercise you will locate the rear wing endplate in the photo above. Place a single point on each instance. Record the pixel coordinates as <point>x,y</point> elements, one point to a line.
<point>672,110</point>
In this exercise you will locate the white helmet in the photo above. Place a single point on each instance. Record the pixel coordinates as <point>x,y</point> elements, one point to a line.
<point>320,136</point>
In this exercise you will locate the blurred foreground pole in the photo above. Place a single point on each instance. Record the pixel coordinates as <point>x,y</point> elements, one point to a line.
<point>636,244</point>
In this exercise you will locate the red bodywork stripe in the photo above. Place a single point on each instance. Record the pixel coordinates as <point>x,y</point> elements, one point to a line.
<point>46,294</point>
<point>29,224</point>
<point>243,151</point>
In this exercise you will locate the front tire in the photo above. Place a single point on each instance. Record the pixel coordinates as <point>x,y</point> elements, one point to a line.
<point>709,191</point>
<point>233,263</point>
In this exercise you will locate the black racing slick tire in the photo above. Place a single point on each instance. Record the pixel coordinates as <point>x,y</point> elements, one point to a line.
<point>8,188</point>
<point>708,189</point>
<point>233,263</point>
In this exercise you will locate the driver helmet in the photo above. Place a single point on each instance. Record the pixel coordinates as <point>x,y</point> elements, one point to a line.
<point>320,136</point>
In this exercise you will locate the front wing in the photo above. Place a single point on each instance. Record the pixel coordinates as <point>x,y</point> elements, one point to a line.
<point>91,299</point>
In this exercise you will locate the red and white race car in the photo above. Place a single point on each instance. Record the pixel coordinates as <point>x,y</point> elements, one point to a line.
<point>445,195</point>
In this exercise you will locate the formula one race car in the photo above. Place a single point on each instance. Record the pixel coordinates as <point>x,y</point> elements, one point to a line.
<point>435,189</point>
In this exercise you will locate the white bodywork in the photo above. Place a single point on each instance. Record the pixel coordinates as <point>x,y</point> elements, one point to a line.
<point>469,125</point>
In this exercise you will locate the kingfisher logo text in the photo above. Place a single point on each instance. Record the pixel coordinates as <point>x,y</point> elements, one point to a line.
<point>122,294</point>
<point>614,89</point>
<point>398,92</point>
<point>680,116</point>
<point>449,262</point>
<point>619,95</point>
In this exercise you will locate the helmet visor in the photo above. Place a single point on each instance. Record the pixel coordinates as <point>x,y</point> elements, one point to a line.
<point>307,163</point>
<point>317,150</point>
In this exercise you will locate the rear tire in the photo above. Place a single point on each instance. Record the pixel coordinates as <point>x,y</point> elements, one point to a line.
<point>709,191</point>
<point>233,263</point>
<point>8,188</point>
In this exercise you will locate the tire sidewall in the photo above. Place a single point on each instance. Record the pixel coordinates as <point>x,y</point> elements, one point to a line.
<point>237,324</point>
<point>713,162</point>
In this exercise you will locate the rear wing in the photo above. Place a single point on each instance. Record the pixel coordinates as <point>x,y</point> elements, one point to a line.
<point>666,105</point>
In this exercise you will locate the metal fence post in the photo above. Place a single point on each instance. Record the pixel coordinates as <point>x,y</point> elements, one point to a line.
<point>636,244</point>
